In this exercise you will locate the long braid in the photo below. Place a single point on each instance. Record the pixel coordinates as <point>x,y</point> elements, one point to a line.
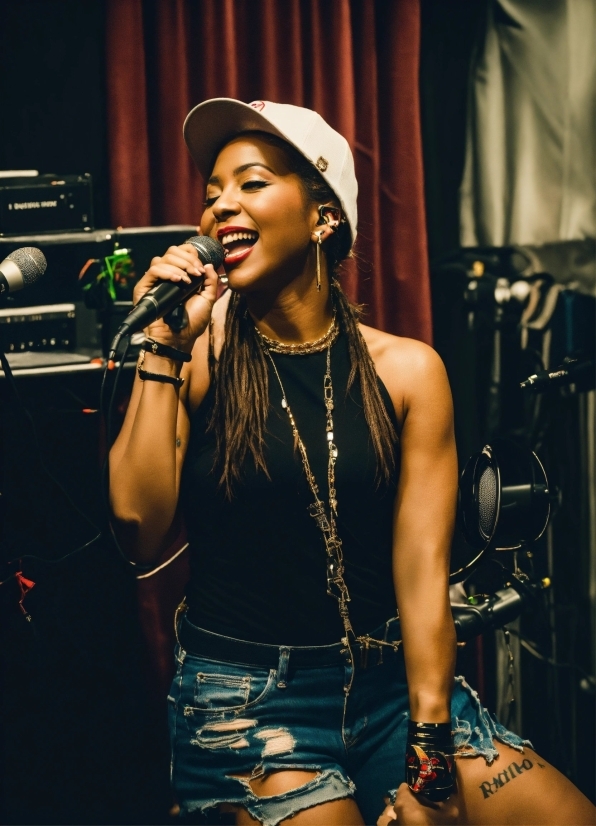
<point>241,401</point>
<point>382,431</point>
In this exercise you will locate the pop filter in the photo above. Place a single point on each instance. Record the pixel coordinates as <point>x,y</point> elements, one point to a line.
<point>504,502</point>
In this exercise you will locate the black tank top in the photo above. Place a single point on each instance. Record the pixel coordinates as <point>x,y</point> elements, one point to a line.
<point>258,561</point>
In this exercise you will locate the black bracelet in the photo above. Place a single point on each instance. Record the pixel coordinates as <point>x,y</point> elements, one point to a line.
<point>430,767</point>
<point>427,728</point>
<point>434,734</point>
<point>144,375</point>
<point>159,349</point>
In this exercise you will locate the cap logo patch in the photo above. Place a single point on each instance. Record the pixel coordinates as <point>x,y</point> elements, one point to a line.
<point>322,163</point>
<point>258,104</point>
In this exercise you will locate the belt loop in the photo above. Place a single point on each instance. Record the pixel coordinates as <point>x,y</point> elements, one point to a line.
<point>282,668</point>
<point>178,618</point>
<point>389,624</point>
<point>180,611</point>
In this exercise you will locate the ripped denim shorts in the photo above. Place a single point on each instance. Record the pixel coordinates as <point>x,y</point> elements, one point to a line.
<point>241,708</point>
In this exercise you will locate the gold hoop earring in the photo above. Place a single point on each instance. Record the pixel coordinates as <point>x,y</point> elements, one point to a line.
<point>319,242</point>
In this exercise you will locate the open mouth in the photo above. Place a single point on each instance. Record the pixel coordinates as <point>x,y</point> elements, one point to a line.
<point>238,244</point>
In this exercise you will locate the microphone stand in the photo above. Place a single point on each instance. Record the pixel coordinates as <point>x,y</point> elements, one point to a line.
<point>502,607</point>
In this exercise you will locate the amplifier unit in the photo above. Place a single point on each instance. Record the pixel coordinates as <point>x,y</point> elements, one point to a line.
<point>45,203</point>
<point>53,315</point>
<point>42,328</point>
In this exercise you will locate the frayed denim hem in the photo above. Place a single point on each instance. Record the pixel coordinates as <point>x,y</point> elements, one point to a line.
<point>328,785</point>
<point>478,740</point>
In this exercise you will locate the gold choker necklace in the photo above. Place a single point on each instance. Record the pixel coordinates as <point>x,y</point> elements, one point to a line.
<point>305,348</point>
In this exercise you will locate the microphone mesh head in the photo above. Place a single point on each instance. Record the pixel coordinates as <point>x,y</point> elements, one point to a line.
<point>487,501</point>
<point>210,251</point>
<point>31,262</point>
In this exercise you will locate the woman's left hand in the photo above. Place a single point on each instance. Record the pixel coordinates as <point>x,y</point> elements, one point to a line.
<point>412,810</point>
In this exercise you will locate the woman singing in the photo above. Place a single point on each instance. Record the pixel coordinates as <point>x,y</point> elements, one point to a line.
<point>313,461</point>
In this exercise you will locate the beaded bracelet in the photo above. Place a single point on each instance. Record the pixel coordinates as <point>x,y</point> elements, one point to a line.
<point>159,349</point>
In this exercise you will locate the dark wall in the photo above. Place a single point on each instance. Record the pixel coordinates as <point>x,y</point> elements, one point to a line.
<point>81,741</point>
<point>52,90</point>
<point>450,32</point>
<point>83,735</point>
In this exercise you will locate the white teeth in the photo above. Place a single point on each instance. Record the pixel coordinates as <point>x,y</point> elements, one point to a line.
<point>239,236</point>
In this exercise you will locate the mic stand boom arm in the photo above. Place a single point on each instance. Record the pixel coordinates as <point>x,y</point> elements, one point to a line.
<point>502,607</point>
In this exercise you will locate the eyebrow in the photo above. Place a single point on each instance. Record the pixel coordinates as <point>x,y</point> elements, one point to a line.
<point>239,169</point>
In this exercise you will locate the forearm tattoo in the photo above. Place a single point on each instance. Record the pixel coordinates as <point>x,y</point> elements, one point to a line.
<point>512,771</point>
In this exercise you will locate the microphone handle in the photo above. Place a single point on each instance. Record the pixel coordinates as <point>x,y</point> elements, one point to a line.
<point>11,277</point>
<point>158,302</point>
<point>571,371</point>
<point>543,379</point>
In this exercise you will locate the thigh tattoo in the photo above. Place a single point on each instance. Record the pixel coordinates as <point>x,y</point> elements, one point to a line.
<point>512,771</point>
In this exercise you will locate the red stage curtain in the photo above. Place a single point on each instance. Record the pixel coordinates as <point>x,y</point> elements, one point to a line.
<point>353,61</point>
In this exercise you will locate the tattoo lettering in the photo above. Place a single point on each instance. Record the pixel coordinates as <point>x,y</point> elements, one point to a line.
<point>512,771</point>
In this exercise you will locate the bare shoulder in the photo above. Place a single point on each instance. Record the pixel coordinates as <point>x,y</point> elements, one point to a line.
<point>408,354</point>
<point>410,370</point>
<point>198,374</point>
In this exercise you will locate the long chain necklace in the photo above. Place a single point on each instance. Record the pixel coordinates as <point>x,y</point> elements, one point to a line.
<point>326,521</point>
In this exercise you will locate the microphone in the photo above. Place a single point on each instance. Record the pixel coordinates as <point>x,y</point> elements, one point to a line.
<point>571,371</point>
<point>166,295</point>
<point>21,268</point>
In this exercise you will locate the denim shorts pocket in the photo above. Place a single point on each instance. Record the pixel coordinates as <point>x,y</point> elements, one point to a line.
<point>214,687</point>
<point>221,691</point>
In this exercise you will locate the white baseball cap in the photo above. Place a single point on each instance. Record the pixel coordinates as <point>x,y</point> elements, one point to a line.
<point>211,123</point>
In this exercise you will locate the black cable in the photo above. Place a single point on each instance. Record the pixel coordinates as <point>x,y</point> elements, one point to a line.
<point>53,561</point>
<point>102,390</point>
<point>110,412</point>
<point>107,416</point>
<point>36,442</point>
<point>529,646</point>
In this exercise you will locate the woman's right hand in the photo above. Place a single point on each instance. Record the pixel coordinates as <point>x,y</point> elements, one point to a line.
<point>411,809</point>
<point>178,265</point>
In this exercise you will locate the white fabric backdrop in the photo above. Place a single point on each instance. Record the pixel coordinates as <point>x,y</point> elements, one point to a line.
<point>530,154</point>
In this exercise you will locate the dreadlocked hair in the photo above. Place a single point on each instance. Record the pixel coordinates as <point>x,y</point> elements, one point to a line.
<point>241,375</point>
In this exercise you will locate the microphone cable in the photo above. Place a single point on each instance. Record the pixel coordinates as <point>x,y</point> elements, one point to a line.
<point>107,415</point>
